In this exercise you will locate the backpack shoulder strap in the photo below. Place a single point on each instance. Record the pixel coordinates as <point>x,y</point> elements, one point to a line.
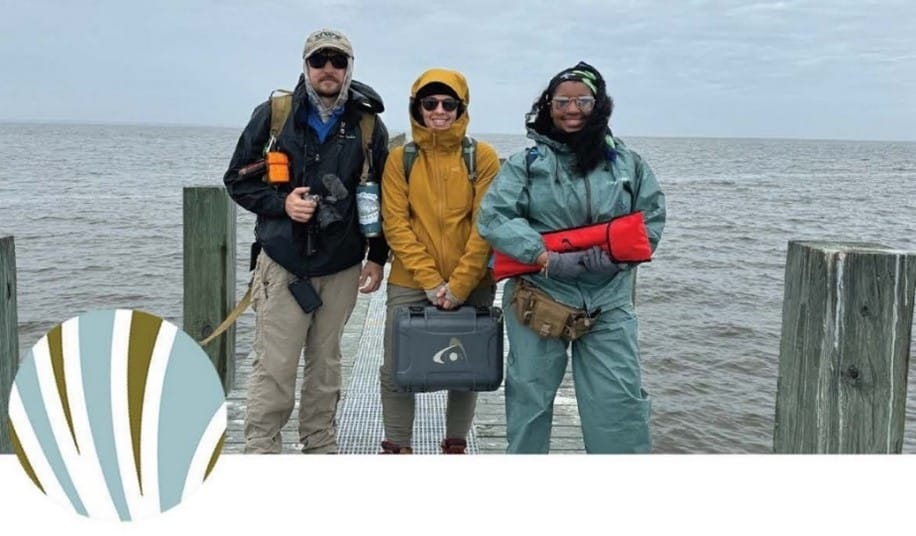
<point>366,127</point>
<point>531,154</point>
<point>281,102</point>
<point>469,152</point>
<point>410,155</point>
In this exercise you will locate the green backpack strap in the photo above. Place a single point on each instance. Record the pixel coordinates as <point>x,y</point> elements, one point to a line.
<point>410,156</point>
<point>469,151</point>
<point>468,154</point>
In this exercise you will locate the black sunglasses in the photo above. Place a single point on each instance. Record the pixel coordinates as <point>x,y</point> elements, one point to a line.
<point>431,103</point>
<point>318,61</point>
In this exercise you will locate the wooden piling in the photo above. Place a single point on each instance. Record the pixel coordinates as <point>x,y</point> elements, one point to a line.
<point>9,336</point>
<point>209,272</point>
<point>845,348</point>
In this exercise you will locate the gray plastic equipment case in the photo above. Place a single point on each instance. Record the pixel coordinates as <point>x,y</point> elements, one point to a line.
<point>459,350</point>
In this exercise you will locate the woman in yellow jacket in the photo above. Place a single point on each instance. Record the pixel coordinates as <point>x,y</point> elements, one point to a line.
<point>429,217</point>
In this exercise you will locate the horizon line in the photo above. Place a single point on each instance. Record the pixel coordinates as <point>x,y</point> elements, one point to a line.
<point>65,122</point>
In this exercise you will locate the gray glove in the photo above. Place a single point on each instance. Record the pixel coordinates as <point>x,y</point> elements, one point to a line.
<point>597,261</point>
<point>564,265</point>
<point>432,292</point>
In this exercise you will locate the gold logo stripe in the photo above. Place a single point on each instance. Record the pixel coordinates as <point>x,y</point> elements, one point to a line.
<point>56,350</point>
<point>215,455</point>
<point>144,328</point>
<point>23,459</point>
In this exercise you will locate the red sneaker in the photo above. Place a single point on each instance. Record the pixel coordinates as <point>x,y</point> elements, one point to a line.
<point>452,445</point>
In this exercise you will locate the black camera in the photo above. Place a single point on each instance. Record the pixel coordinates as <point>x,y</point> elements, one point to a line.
<point>328,214</point>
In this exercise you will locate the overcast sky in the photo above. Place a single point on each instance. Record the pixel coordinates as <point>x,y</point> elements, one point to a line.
<point>723,68</point>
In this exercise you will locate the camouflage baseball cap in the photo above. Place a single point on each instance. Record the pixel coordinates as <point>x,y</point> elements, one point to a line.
<point>327,38</point>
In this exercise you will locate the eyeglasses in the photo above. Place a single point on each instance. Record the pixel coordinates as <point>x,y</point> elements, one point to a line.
<point>583,103</point>
<point>431,103</point>
<point>318,61</point>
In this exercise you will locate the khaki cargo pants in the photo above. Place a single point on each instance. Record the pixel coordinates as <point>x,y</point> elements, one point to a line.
<point>282,332</point>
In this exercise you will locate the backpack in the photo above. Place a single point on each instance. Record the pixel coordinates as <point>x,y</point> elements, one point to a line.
<point>281,103</point>
<point>468,153</point>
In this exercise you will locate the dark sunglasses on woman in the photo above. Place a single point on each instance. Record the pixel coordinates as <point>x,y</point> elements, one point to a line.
<point>431,103</point>
<point>317,61</point>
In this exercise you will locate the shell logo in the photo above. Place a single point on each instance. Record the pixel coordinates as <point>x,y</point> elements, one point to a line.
<point>117,414</point>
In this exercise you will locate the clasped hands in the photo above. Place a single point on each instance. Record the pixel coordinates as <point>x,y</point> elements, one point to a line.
<point>441,296</point>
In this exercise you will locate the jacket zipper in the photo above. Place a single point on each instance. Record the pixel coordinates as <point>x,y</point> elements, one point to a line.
<point>442,191</point>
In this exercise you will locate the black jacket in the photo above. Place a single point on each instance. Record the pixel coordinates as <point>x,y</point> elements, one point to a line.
<point>337,247</point>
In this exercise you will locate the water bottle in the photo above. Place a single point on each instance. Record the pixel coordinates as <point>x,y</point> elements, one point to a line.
<point>367,206</point>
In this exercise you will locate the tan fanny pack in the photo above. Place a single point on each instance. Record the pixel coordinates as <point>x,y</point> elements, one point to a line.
<point>548,317</point>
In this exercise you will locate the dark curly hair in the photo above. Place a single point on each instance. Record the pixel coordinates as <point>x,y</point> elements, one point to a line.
<point>588,144</point>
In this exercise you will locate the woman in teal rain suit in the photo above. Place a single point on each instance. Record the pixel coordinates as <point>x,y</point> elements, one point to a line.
<point>577,174</point>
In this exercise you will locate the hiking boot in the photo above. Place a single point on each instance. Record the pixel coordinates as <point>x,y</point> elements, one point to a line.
<point>453,445</point>
<point>328,448</point>
<point>393,448</point>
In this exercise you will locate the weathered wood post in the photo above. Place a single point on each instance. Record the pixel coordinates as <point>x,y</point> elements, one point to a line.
<point>845,349</point>
<point>9,336</point>
<point>209,272</point>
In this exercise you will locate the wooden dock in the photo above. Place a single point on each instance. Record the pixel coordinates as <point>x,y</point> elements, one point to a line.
<point>359,412</point>
<point>844,355</point>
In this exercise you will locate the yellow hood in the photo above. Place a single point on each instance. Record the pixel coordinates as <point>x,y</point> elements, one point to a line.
<point>429,222</point>
<point>425,137</point>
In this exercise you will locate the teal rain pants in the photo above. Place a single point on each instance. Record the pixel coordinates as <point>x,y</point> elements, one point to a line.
<point>613,407</point>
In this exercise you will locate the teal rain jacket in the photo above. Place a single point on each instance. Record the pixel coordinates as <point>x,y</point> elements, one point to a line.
<point>522,203</point>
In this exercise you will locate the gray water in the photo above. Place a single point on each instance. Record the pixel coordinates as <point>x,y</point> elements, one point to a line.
<point>96,213</point>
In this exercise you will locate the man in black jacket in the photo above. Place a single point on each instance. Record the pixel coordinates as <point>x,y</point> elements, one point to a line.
<point>312,250</point>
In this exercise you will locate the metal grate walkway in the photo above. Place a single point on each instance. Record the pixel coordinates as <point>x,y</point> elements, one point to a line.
<point>359,415</point>
<point>359,429</point>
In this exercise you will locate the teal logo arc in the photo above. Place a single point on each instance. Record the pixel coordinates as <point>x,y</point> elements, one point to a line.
<point>117,414</point>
